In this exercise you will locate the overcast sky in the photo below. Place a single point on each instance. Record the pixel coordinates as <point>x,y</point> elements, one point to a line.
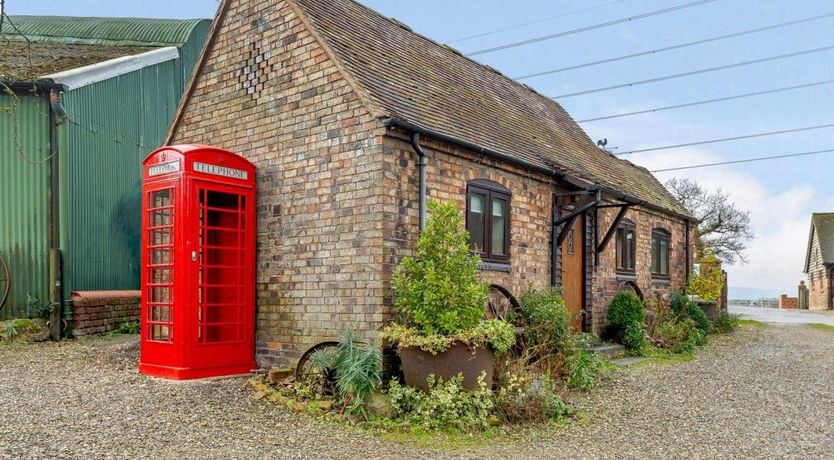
<point>780,194</point>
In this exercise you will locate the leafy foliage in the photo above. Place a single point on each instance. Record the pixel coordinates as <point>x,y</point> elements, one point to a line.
<point>725,323</point>
<point>546,317</point>
<point>686,308</point>
<point>626,309</point>
<point>128,328</point>
<point>680,336</point>
<point>635,338</point>
<point>38,308</point>
<point>356,367</point>
<point>709,284</point>
<point>723,229</point>
<point>524,399</point>
<point>585,368</point>
<point>497,334</point>
<point>446,405</point>
<point>438,291</point>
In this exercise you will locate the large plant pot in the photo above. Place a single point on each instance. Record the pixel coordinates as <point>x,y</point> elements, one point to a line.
<point>614,334</point>
<point>458,359</point>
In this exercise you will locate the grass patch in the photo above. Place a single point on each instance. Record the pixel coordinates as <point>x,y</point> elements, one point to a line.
<point>821,327</point>
<point>663,356</point>
<point>752,323</point>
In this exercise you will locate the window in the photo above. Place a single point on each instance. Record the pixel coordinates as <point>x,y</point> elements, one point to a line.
<point>660,253</point>
<point>626,246</point>
<point>488,219</point>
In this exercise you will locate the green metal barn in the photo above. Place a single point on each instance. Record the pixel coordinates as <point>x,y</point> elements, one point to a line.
<point>83,101</point>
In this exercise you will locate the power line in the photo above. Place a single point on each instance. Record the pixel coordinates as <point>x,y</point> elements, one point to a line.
<point>675,47</point>
<point>708,101</point>
<point>538,21</point>
<point>748,160</point>
<point>728,139</point>
<point>587,28</point>
<point>695,72</point>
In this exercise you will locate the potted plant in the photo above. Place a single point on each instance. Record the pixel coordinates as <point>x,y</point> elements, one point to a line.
<point>441,328</point>
<point>625,310</point>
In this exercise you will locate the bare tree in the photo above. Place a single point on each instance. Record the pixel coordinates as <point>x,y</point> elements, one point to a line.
<point>723,229</point>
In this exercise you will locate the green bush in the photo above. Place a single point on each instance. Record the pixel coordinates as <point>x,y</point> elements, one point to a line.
<point>635,338</point>
<point>37,307</point>
<point>439,295</point>
<point>439,291</point>
<point>626,309</point>
<point>447,405</point>
<point>725,323</point>
<point>686,308</point>
<point>356,367</point>
<point>679,336</point>
<point>546,317</point>
<point>530,400</point>
<point>710,282</point>
<point>585,369</point>
<point>128,328</point>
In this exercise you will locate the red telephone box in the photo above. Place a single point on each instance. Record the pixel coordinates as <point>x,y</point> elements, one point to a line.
<point>198,263</point>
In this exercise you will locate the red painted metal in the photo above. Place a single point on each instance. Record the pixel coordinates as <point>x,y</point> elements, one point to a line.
<point>198,263</point>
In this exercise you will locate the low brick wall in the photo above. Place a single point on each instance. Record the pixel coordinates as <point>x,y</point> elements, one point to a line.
<point>95,312</point>
<point>786,302</point>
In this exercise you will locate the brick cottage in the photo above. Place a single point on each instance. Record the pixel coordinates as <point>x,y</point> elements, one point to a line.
<point>349,116</point>
<point>819,262</point>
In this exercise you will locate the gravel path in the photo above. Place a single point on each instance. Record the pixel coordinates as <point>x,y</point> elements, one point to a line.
<point>762,393</point>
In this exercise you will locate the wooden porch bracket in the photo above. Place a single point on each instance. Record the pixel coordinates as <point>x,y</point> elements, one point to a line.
<point>568,220</point>
<point>623,208</point>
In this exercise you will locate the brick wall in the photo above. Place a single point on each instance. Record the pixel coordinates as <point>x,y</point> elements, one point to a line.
<point>288,109</point>
<point>95,312</point>
<point>786,302</point>
<point>449,169</point>
<point>819,288</point>
<point>607,282</point>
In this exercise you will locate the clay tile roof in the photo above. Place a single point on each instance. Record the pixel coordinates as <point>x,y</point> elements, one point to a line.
<point>416,80</point>
<point>823,223</point>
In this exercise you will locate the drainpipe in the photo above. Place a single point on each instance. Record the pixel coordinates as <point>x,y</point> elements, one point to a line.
<point>422,162</point>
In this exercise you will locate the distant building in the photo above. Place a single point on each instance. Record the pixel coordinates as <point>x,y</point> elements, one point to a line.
<point>819,262</point>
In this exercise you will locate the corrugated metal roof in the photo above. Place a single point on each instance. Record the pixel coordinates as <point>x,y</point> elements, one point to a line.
<point>103,31</point>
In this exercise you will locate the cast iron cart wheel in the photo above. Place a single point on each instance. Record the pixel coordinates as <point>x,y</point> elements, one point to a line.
<point>5,281</point>
<point>502,304</point>
<point>307,373</point>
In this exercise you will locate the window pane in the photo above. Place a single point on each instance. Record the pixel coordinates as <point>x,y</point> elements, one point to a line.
<point>161,333</point>
<point>630,250</point>
<point>664,256</point>
<point>476,221</point>
<point>655,249</point>
<point>620,243</point>
<point>499,220</point>
<point>161,198</point>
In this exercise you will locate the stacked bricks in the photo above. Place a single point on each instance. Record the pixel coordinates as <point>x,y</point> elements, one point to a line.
<point>786,302</point>
<point>96,312</point>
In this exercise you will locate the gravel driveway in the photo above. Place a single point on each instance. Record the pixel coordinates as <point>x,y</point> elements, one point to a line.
<point>761,393</point>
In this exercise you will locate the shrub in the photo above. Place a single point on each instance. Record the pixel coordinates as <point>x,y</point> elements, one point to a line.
<point>680,336</point>
<point>439,291</point>
<point>356,367</point>
<point>709,284</point>
<point>585,368</point>
<point>528,399</point>
<point>446,405</point>
<point>635,338</point>
<point>626,309</point>
<point>725,323</point>
<point>686,308</point>
<point>546,317</point>
<point>38,308</point>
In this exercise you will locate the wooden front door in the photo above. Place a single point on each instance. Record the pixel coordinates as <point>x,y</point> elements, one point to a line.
<point>572,268</point>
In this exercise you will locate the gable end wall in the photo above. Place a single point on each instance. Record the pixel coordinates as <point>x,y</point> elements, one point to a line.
<point>270,93</point>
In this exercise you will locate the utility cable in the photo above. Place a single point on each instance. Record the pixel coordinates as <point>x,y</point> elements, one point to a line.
<point>537,21</point>
<point>709,101</point>
<point>748,160</point>
<point>727,139</point>
<point>696,72</point>
<point>675,47</point>
<point>587,28</point>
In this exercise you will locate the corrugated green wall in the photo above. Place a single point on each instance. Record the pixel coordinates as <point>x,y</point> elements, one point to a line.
<point>114,125</point>
<point>24,198</point>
